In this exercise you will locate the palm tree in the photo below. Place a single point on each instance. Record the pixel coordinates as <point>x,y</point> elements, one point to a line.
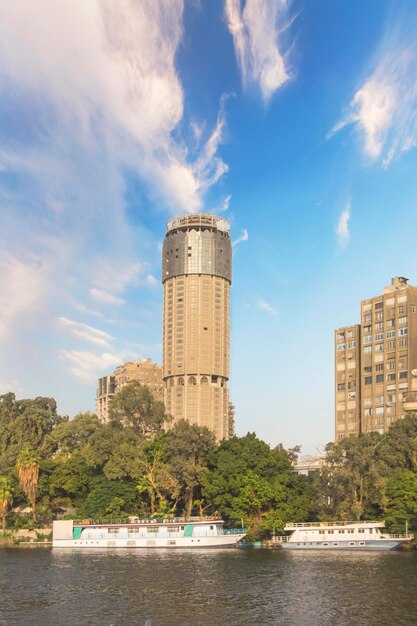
<point>6,498</point>
<point>28,466</point>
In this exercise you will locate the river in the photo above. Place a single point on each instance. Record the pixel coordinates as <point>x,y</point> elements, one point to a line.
<point>40,586</point>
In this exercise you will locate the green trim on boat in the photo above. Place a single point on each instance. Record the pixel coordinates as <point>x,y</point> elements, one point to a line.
<point>188,531</point>
<point>76,532</point>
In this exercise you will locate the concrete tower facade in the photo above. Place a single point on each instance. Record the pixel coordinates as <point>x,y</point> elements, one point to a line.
<point>197,274</point>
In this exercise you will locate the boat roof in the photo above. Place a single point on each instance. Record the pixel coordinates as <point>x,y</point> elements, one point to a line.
<point>332,525</point>
<point>141,522</point>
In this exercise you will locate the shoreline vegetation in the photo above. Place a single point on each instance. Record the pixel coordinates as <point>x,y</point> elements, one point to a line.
<point>53,467</point>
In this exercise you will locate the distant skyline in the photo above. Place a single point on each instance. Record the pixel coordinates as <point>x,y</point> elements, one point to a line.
<point>297,121</point>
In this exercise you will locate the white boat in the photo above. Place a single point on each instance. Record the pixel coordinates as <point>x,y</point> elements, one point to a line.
<point>178,533</point>
<point>339,536</point>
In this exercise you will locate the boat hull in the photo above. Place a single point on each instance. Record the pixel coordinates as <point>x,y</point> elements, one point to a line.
<point>219,541</point>
<point>377,545</point>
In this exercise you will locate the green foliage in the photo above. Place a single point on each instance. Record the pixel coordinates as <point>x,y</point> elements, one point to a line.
<point>110,498</point>
<point>135,407</point>
<point>402,500</point>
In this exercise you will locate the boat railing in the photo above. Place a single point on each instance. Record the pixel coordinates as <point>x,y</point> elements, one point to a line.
<point>280,539</point>
<point>153,520</point>
<point>332,524</point>
<point>234,531</point>
<point>405,537</point>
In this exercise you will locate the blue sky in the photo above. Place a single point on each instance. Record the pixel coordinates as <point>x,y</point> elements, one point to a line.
<point>297,121</point>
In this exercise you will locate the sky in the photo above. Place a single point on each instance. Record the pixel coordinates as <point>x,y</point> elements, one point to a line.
<point>297,121</point>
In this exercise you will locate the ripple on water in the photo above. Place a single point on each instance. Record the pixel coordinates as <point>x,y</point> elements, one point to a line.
<point>210,587</point>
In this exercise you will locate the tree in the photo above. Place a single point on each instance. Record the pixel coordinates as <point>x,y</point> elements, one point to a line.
<point>247,480</point>
<point>402,500</point>
<point>155,477</point>
<point>135,407</point>
<point>115,498</point>
<point>28,468</point>
<point>6,498</point>
<point>189,446</point>
<point>352,483</point>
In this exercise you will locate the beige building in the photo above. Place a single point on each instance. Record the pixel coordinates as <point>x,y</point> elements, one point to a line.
<point>196,274</point>
<point>145,371</point>
<point>387,356</point>
<point>347,380</point>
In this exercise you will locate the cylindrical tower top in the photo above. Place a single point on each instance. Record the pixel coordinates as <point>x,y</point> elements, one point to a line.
<point>197,243</point>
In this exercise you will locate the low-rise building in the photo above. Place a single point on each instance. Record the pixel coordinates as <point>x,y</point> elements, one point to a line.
<point>145,371</point>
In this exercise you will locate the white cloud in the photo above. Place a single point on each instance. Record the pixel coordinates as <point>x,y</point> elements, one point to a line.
<point>342,229</point>
<point>11,385</point>
<point>256,31</point>
<point>87,366</point>
<point>384,108</point>
<point>224,205</point>
<point>104,297</point>
<point>23,283</point>
<point>107,67</point>
<point>243,237</point>
<point>85,332</point>
<point>151,280</point>
<point>262,305</point>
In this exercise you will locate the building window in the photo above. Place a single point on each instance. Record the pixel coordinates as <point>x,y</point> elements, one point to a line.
<point>204,380</point>
<point>379,347</point>
<point>403,342</point>
<point>367,329</point>
<point>192,380</point>
<point>367,339</point>
<point>341,387</point>
<point>368,369</point>
<point>379,368</point>
<point>390,344</point>
<point>380,378</point>
<point>390,323</point>
<point>379,305</point>
<point>181,381</point>
<point>390,377</point>
<point>368,380</point>
<point>367,412</point>
<point>367,350</point>
<point>379,336</point>
<point>402,374</point>
<point>402,331</point>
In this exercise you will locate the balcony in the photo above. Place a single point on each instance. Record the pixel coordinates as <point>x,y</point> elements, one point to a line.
<point>410,401</point>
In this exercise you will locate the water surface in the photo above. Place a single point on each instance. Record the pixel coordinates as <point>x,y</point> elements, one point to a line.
<point>210,587</point>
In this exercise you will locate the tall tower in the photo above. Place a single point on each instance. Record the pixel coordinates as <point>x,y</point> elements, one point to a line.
<point>196,274</point>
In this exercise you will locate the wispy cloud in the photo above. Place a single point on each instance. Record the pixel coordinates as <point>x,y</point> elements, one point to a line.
<point>87,366</point>
<point>243,237</point>
<point>262,305</point>
<point>384,108</point>
<point>342,229</point>
<point>23,284</point>
<point>150,280</point>
<point>104,297</point>
<point>86,333</point>
<point>257,32</point>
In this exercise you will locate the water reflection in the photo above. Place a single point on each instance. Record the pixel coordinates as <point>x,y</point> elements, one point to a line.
<point>210,587</point>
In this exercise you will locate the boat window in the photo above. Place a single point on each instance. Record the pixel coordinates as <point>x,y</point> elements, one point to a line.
<point>114,530</point>
<point>152,529</point>
<point>211,527</point>
<point>351,543</point>
<point>182,527</point>
<point>335,543</point>
<point>341,532</point>
<point>361,530</point>
<point>173,529</point>
<point>370,531</point>
<point>325,543</point>
<point>361,543</point>
<point>321,532</point>
<point>330,532</point>
<point>350,531</point>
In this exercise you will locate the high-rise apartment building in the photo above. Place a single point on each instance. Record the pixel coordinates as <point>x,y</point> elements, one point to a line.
<point>376,359</point>
<point>145,371</point>
<point>196,274</point>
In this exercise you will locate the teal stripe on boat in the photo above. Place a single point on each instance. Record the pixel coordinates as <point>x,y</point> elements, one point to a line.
<point>188,531</point>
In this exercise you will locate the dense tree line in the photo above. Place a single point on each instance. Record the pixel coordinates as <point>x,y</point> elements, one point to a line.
<point>134,465</point>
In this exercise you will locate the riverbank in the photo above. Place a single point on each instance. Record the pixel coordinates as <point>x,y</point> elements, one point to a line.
<point>25,537</point>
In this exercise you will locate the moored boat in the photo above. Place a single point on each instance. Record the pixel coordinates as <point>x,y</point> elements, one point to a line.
<point>178,533</point>
<point>339,536</point>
